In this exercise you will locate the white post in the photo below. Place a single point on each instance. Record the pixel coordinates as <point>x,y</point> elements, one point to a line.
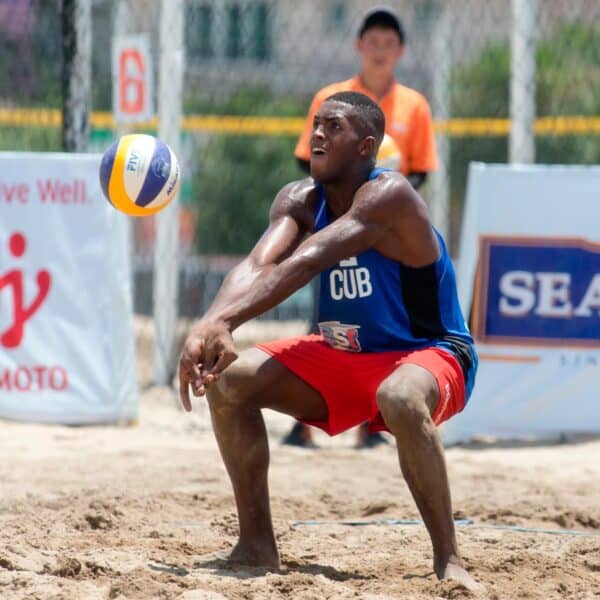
<point>522,82</point>
<point>441,66</point>
<point>166,263</point>
<point>221,24</point>
<point>77,74</point>
<point>121,18</point>
<point>121,27</point>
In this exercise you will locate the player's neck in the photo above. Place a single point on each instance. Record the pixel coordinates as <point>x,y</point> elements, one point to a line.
<point>340,195</point>
<point>378,85</point>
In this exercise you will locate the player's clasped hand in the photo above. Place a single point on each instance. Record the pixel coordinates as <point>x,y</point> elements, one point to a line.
<point>207,351</point>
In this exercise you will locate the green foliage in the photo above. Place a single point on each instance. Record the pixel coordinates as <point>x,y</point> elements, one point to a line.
<point>32,71</point>
<point>31,77</point>
<point>255,101</point>
<point>236,180</point>
<point>567,83</point>
<point>31,64</point>
<point>480,88</point>
<point>237,176</point>
<point>30,138</point>
<point>101,55</point>
<point>567,79</point>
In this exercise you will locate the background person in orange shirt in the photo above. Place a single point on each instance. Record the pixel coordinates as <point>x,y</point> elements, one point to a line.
<point>380,45</point>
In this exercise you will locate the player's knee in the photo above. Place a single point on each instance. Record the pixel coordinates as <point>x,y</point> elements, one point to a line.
<point>230,390</point>
<point>402,403</point>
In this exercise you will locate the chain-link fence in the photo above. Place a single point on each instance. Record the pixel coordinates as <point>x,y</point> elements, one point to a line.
<point>250,70</point>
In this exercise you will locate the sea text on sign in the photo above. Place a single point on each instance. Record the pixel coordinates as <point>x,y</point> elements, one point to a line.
<point>553,298</point>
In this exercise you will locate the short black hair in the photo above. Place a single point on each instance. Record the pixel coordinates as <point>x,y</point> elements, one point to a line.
<point>383,17</point>
<point>366,113</point>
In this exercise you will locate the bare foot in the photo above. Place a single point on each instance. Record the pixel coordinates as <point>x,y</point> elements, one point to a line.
<point>239,556</point>
<point>255,555</point>
<point>454,570</point>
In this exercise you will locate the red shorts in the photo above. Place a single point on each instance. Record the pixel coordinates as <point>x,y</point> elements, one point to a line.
<point>348,381</point>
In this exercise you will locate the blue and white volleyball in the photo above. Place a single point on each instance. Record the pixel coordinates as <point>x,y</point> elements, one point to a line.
<point>139,174</point>
<point>389,155</point>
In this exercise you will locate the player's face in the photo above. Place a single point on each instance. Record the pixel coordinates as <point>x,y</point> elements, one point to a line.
<point>334,143</point>
<point>379,50</point>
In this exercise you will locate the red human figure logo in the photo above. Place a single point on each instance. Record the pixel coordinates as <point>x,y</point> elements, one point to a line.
<point>13,336</point>
<point>353,343</point>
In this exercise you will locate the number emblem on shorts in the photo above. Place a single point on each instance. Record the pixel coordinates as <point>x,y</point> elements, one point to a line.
<point>341,336</point>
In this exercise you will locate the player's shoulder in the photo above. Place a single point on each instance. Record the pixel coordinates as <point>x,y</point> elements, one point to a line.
<point>298,190</point>
<point>295,197</point>
<point>388,181</point>
<point>333,88</point>
<point>408,94</point>
<point>389,190</point>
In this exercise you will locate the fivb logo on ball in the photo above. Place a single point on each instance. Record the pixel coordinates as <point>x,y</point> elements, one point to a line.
<point>538,291</point>
<point>139,174</point>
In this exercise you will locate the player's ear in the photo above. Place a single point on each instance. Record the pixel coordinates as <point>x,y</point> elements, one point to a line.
<point>399,51</point>
<point>366,147</point>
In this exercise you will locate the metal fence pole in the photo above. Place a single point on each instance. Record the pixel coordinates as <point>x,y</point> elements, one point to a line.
<point>522,82</point>
<point>166,264</point>
<point>121,27</point>
<point>121,21</point>
<point>77,74</point>
<point>441,66</point>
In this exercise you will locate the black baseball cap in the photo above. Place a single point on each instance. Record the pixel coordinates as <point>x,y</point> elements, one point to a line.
<point>382,16</point>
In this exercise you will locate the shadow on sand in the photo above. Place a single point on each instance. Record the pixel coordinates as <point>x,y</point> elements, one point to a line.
<point>225,568</point>
<point>494,443</point>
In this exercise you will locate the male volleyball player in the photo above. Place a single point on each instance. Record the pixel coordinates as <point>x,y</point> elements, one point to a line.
<point>394,349</point>
<point>380,44</point>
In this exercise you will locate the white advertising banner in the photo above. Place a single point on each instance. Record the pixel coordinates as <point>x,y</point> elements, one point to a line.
<point>66,332</point>
<point>529,279</point>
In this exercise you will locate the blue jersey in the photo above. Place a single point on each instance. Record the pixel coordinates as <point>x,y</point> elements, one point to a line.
<point>371,303</point>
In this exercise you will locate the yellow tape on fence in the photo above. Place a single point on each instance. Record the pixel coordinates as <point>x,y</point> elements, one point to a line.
<point>30,117</point>
<point>244,125</point>
<point>567,125</point>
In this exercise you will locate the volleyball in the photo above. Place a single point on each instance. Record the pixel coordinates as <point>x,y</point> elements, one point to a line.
<point>389,155</point>
<point>139,174</point>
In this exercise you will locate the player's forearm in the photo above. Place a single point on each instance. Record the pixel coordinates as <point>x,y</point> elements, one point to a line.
<point>255,295</point>
<point>236,285</point>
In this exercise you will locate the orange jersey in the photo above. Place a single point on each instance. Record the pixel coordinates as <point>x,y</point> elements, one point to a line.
<point>407,121</point>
